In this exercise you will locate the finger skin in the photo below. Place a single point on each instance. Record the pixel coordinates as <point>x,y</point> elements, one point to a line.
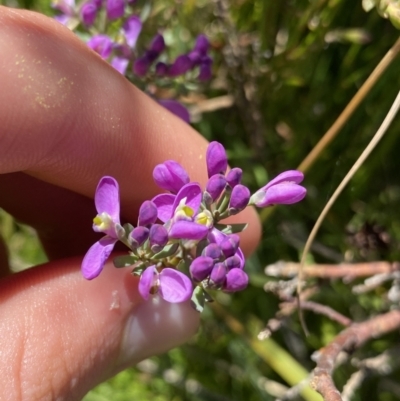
<point>62,335</point>
<point>69,118</point>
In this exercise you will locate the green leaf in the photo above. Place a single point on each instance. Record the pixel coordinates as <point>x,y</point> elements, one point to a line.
<point>125,260</point>
<point>231,228</point>
<point>168,250</point>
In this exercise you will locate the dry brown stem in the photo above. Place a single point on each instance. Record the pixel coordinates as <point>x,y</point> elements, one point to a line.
<point>290,269</point>
<point>349,339</point>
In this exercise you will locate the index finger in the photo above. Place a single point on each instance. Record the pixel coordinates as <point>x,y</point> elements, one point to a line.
<point>69,118</point>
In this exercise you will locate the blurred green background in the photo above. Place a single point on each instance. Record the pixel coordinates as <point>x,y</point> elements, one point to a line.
<point>283,72</point>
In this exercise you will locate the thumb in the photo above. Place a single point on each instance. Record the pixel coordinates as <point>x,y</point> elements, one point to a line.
<point>61,335</point>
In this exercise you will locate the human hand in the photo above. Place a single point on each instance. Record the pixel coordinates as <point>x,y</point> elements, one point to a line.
<point>67,119</point>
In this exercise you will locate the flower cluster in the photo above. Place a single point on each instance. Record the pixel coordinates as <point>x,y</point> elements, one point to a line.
<point>179,247</point>
<point>117,29</point>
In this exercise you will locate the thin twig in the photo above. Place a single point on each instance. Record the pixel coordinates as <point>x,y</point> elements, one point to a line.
<point>349,339</point>
<point>351,107</point>
<point>291,269</point>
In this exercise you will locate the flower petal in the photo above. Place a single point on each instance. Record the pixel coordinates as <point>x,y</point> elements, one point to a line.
<point>96,256</point>
<point>107,198</point>
<point>175,286</point>
<point>164,203</point>
<point>236,280</point>
<point>193,195</point>
<point>216,159</point>
<point>183,229</point>
<point>289,176</point>
<point>172,105</point>
<point>147,281</point>
<point>132,28</point>
<point>280,194</point>
<point>170,175</point>
<point>120,64</point>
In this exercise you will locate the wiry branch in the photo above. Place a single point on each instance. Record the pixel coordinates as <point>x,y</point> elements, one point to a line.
<point>290,269</point>
<point>351,338</point>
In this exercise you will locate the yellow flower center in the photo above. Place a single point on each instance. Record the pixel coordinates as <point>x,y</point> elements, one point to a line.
<point>103,221</point>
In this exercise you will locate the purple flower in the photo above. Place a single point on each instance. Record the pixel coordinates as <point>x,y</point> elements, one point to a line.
<point>234,177</point>
<point>161,71</point>
<point>131,29</point>
<point>67,8</point>
<point>213,251</point>
<point>172,285</point>
<point>283,189</point>
<point>107,221</point>
<point>141,66</point>
<point>158,237</point>
<point>180,66</point>
<point>229,245</point>
<point>235,280</point>
<point>157,44</point>
<point>88,13</point>
<point>202,44</point>
<point>218,275</point>
<point>205,72</point>
<point>183,229</point>
<point>215,185</point>
<point>217,237</point>
<point>101,44</point>
<point>201,268</point>
<point>115,9</point>
<point>216,159</point>
<point>147,213</point>
<point>171,176</point>
<point>139,235</point>
<point>120,64</point>
<point>239,199</point>
<point>176,108</point>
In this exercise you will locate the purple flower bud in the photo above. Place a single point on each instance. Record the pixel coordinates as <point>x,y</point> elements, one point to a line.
<point>139,235</point>
<point>234,177</point>
<point>202,44</point>
<point>230,245</point>
<point>147,213</point>
<point>218,275</point>
<point>205,72</point>
<point>157,44</point>
<point>233,262</point>
<point>215,185</point>
<point>161,69</point>
<point>132,28</point>
<point>141,66</point>
<point>195,57</point>
<point>183,229</point>
<point>115,9</point>
<point>293,176</point>
<point>88,13</point>
<point>201,268</point>
<point>212,251</point>
<point>236,280</point>
<point>170,175</point>
<point>176,108</point>
<point>216,159</point>
<point>101,44</point>
<point>283,189</point>
<point>158,237</point>
<point>181,65</point>
<point>239,199</point>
